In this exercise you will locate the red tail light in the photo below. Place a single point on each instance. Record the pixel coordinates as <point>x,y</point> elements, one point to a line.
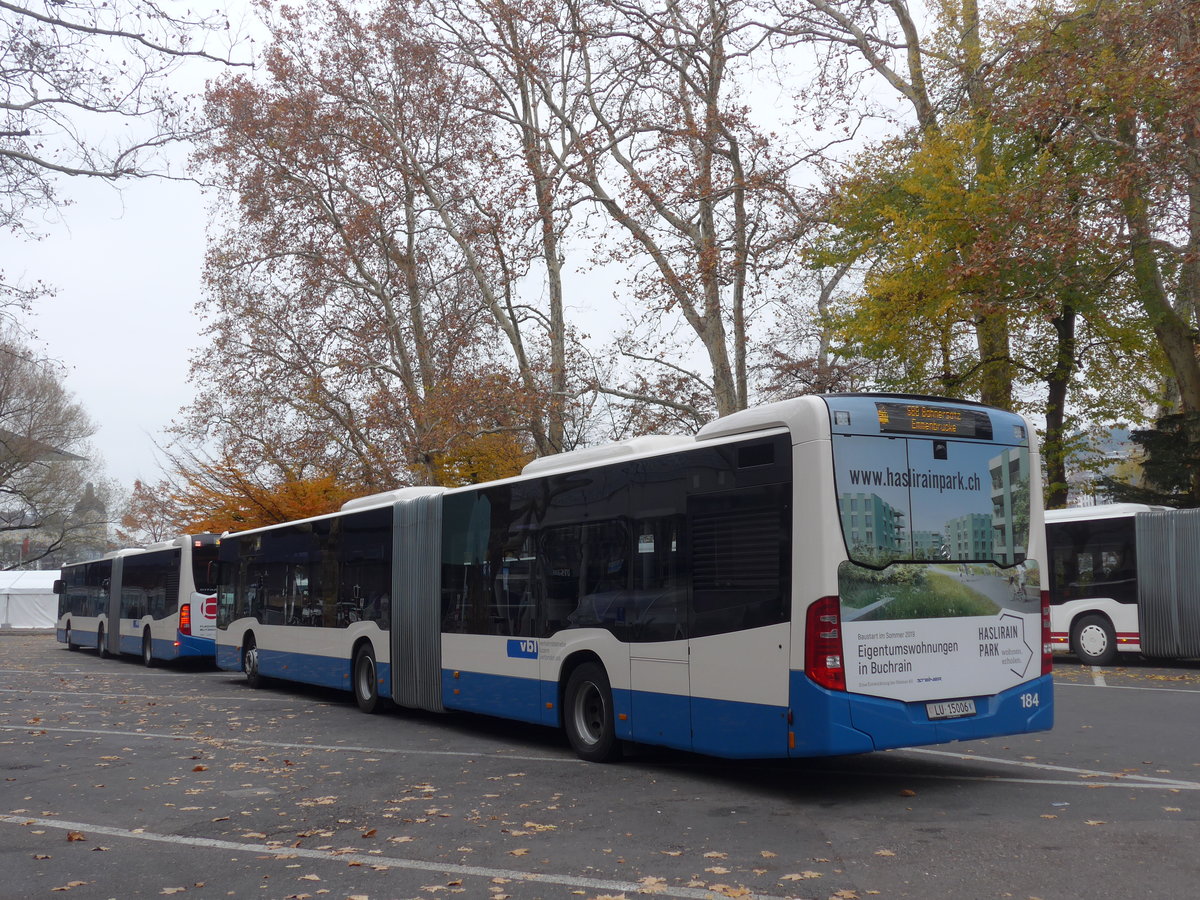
<point>1047,652</point>
<point>823,644</point>
<point>185,618</point>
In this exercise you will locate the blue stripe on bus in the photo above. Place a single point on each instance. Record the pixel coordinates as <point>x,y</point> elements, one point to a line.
<point>835,722</point>
<point>309,668</point>
<point>79,638</point>
<point>730,728</point>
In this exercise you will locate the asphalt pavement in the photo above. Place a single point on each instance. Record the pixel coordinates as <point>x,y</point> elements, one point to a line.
<point>121,781</point>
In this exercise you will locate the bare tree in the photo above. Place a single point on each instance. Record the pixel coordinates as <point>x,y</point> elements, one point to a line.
<point>48,504</point>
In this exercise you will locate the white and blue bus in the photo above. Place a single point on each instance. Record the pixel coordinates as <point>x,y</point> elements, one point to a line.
<point>825,575</point>
<point>159,602</point>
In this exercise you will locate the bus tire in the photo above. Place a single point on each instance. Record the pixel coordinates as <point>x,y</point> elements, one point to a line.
<point>71,645</point>
<point>1094,641</point>
<point>588,714</point>
<point>101,645</point>
<point>365,678</point>
<point>254,678</point>
<point>147,650</point>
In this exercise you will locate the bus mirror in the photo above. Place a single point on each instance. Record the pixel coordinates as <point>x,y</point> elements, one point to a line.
<point>58,585</point>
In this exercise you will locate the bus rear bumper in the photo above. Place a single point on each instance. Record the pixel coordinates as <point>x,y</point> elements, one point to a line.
<point>832,722</point>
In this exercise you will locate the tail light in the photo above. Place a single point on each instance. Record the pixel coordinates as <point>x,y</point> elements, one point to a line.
<point>185,618</point>
<point>823,644</point>
<point>1047,652</point>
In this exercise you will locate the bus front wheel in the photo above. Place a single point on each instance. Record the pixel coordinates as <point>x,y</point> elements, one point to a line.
<point>101,644</point>
<point>588,714</point>
<point>1094,641</point>
<point>71,645</point>
<point>366,683</point>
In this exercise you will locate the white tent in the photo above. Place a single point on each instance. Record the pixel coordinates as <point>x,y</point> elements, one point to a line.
<point>27,600</point>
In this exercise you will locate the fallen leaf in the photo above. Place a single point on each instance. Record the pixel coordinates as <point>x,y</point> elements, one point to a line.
<point>717,870</point>
<point>713,854</point>
<point>310,877</point>
<point>76,836</point>
<point>808,873</point>
<point>199,768</point>
<point>173,890</point>
<point>519,852</point>
<point>42,856</point>
<point>652,885</point>
<point>885,852</point>
<point>767,854</point>
<point>907,792</point>
<point>370,833</point>
<point>1095,822</point>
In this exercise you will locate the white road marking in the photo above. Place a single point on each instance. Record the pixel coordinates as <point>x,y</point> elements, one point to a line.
<point>417,865</point>
<point>1098,676</point>
<point>1130,780</point>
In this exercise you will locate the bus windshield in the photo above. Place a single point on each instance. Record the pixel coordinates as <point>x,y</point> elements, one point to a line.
<point>927,482</point>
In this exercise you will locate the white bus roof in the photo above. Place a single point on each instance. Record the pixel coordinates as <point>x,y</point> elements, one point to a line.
<point>1100,511</point>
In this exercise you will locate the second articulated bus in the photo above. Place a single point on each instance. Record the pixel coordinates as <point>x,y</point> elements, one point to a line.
<point>820,576</point>
<point>158,602</point>
<point>1124,578</point>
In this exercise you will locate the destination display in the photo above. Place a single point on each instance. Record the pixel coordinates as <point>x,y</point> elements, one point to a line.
<point>921,418</point>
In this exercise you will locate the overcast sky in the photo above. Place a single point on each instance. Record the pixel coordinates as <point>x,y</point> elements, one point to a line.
<point>127,266</point>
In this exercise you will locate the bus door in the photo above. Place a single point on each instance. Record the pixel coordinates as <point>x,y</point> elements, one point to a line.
<point>653,615</point>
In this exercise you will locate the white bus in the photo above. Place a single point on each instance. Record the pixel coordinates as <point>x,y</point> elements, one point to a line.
<point>819,576</point>
<point>1123,579</point>
<point>162,599</point>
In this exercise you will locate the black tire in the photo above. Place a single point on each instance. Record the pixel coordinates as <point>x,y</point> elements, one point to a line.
<point>254,677</point>
<point>101,645</point>
<point>148,659</point>
<point>1094,641</point>
<point>71,645</point>
<point>365,678</point>
<point>588,714</point>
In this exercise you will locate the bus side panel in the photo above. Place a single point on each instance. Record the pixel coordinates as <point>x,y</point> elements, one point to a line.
<point>736,729</point>
<point>310,668</point>
<point>739,689</point>
<point>492,674</point>
<point>822,724</point>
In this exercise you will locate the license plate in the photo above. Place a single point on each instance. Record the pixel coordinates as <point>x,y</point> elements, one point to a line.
<point>950,709</point>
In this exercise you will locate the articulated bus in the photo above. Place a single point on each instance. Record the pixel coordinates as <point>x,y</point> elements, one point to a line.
<point>159,601</point>
<point>825,575</point>
<point>1123,579</point>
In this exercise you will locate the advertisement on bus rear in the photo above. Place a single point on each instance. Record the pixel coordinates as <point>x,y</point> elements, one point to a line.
<point>937,596</point>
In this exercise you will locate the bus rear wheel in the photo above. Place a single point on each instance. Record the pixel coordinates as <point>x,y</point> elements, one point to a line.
<point>254,677</point>
<point>588,714</point>
<point>366,683</point>
<point>101,644</point>
<point>1094,641</point>
<point>147,649</point>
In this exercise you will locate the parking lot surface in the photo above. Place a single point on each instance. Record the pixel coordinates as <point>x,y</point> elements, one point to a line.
<point>121,781</point>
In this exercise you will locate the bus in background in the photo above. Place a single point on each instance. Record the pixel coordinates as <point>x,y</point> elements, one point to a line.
<point>161,598</point>
<point>1123,579</point>
<point>824,575</point>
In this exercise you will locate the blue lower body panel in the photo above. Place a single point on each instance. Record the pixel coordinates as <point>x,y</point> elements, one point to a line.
<point>307,668</point>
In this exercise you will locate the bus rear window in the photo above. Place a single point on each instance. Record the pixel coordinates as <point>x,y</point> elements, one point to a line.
<point>904,498</point>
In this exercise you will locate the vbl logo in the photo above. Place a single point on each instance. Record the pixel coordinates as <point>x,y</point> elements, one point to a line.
<point>523,649</point>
